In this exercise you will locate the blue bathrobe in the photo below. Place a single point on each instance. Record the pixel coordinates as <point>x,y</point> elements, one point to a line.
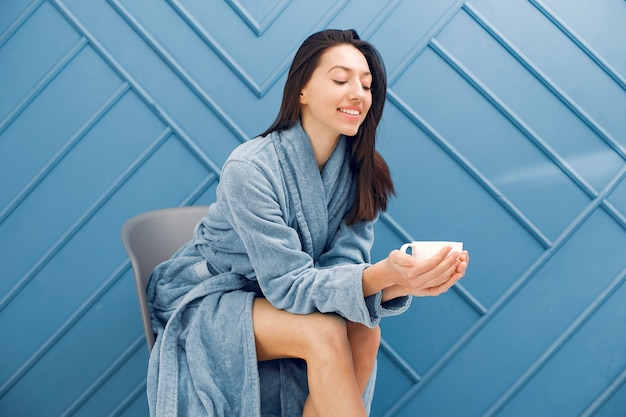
<point>277,231</point>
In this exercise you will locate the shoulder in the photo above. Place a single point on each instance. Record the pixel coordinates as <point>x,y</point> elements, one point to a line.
<point>252,163</point>
<point>258,152</point>
<point>251,149</point>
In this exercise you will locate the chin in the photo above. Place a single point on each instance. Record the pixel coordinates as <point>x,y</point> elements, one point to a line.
<point>350,131</point>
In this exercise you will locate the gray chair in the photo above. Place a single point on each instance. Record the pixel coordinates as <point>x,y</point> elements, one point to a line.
<point>151,238</point>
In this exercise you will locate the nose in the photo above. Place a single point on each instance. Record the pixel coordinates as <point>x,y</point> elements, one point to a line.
<point>357,92</point>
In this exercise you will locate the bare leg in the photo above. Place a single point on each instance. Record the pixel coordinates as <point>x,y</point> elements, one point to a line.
<point>364,343</point>
<point>322,341</point>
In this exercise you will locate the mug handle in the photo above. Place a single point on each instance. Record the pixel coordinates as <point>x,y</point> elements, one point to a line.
<point>404,247</point>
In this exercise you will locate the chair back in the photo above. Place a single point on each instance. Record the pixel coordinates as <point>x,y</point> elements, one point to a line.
<point>151,238</point>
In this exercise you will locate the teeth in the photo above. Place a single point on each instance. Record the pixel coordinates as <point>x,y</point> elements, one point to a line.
<point>350,111</point>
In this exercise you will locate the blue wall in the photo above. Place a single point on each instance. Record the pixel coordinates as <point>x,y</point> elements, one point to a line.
<point>505,128</point>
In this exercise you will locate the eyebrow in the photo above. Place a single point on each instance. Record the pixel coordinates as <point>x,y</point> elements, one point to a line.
<point>348,69</point>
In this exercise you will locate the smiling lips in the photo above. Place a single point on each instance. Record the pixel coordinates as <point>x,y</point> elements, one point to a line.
<point>351,112</point>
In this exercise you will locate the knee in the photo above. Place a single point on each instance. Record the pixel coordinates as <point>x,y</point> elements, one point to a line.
<point>327,336</point>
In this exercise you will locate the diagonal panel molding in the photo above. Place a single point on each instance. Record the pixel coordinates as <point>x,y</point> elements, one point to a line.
<point>258,86</point>
<point>19,21</point>
<point>113,108</point>
<point>109,58</point>
<point>601,61</point>
<point>177,68</point>
<point>259,15</point>
<point>532,67</point>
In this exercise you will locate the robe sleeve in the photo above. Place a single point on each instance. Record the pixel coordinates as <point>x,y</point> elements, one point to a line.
<point>286,274</point>
<point>353,244</point>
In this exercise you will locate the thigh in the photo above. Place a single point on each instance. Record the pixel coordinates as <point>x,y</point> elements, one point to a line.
<point>279,334</point>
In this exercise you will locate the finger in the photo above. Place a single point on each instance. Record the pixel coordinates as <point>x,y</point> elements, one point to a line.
<point>437,276</point>
<point>434,291</point>
<point>434,271</point>
<point>444,272</point>
<point>461,267</point>
<point>401,258</point>
<point>435,261</point>
<point>447,264</point>
<point>464,262</point>
<point>445,286</point>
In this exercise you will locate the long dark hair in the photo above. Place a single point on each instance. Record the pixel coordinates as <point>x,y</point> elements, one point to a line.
<point>370,171</point>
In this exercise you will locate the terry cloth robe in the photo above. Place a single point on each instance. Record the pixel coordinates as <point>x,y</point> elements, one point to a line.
<point>276,231</point>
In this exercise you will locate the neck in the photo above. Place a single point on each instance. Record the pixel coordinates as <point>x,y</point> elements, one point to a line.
<point>323,144</point>
<point>323,150</point>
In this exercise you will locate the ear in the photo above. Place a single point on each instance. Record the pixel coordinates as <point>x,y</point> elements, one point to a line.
<point>302,97</point>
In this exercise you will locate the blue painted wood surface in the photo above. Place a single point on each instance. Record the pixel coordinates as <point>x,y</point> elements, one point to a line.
<point>505,128</point>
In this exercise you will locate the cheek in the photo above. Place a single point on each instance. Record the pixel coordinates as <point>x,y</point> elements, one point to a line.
<point>367,105</point>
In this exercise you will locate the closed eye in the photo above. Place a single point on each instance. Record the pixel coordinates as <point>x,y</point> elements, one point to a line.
<point>365,87</point>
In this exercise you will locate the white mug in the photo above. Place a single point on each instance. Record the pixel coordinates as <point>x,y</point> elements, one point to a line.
<point>424,249</point>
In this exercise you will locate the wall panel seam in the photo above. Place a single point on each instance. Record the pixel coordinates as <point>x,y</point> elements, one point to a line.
<point>419,47</point>
<point>604,194</point>
<point>63,329</point>
<point>224,56</point>
<point>545,80</point>
<point>470,299</point>
<point>55,248</point>
<point>471,170</point>
<point>78,224</point>
<point>89,302</point>
<point>145,97</point>
<point>614,213</point>
<point>396,228</point>
<point>558,343</point>
<point>19,21</point>
<point>399,361</point>
<point>513,118</point>
<point>258,89</point>
<point>380,18</point>
<point>258,27</point>
<point>138,391</point>
<point>506,297</point>
<point>183,75</point>
<point>204,185</point>
<point>63,152</point>
<point>104,377</point>
<point>50,75</point>
<point>605,396</point>
<point>577,40</point>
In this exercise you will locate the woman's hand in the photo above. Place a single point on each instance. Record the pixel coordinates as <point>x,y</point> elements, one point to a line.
<point>429,277</point>
<point>404,275</point>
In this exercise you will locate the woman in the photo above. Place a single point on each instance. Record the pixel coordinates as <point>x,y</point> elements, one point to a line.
<point>273,307</point>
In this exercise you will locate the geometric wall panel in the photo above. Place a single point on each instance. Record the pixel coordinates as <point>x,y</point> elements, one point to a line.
<point>504,128</point>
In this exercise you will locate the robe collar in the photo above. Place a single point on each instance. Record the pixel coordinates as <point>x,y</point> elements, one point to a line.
<point>319,199</point>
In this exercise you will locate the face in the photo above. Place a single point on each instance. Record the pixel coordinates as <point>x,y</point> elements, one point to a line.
<point>338,95</point>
